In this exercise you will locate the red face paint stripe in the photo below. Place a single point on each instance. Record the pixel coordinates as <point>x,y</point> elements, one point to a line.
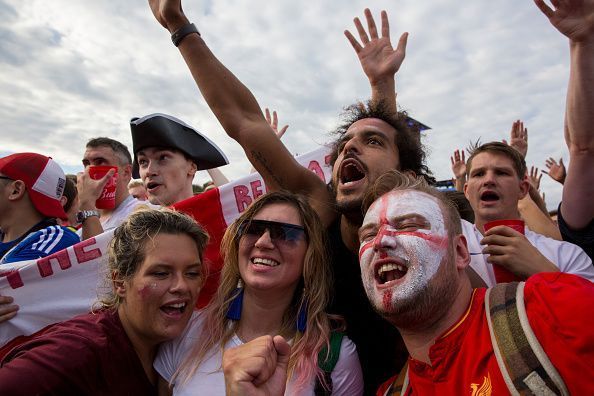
<point>387,300</point>
<point>364,248</point>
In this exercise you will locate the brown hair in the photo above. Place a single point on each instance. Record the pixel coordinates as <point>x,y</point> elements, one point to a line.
<point>514,155</point>
<point>410,150</point>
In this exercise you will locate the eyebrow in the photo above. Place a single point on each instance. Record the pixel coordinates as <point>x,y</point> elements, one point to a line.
<point>93,159</point>
<point>373,133</point>
<point>482,168</point>
<point>397,220</point>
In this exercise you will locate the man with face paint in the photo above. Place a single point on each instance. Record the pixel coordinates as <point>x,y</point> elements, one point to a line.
<point>413,257</point>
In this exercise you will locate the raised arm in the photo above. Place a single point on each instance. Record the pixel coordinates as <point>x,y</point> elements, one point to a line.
<point>575,20</point>
<point>518,138</point>
<point>459,169</point>
<point>379,60</point>
<point>240,115</point>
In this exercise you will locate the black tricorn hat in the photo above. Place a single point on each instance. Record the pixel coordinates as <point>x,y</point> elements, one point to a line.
<point>162,130</point>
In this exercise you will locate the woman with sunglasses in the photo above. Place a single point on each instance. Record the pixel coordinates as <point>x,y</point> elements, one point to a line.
<point>156,270</point>
<point>275,281</point>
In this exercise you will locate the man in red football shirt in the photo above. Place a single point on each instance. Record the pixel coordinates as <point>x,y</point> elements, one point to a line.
<point>413,257</point>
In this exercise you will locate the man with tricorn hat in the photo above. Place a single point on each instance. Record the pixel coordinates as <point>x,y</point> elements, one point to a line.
<point>167,154</point>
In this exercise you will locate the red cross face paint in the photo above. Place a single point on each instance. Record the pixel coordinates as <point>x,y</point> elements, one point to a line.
<point>403,242</point>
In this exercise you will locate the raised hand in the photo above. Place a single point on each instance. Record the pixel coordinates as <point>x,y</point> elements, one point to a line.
<point>376,54</point>
<point>534,177</point>
<point>274,123</point>
<point>89,190</point>
<point>573,18</point>
<point>518,138</point>
<point>556,171</point>
<point>459,164</point>
<point>168,13</point>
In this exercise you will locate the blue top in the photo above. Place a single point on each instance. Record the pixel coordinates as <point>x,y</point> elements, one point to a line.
<point>39,244</point>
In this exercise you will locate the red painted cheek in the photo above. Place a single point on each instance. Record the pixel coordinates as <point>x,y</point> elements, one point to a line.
<point>387,300</point>
<point>364,248</point>
<point>146,290</point>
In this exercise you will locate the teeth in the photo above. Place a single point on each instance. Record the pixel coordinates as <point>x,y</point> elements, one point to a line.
<point>178,305</point>
<point>263,261</point>
<point>390,267</point>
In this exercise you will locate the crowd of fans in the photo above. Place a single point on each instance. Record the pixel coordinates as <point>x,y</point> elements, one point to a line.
<point>376,282</point>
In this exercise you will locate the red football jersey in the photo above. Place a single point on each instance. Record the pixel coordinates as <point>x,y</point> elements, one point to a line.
<point>560,309</point>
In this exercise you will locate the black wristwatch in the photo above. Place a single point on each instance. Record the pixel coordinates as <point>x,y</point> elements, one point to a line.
<point>85,214</point>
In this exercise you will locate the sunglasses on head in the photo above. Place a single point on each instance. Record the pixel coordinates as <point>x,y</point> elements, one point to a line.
<point>278,231</point>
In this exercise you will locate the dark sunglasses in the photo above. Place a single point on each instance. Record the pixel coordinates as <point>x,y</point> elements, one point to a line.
<point>6,178</point>
<point>278,231</point>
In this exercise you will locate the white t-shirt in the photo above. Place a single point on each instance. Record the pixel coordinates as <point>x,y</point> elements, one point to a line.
<point>568,257</point>
<point>347,378</point>
<point>122,212</point>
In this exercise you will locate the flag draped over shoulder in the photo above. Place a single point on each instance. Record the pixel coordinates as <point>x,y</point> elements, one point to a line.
<point>67,283</point>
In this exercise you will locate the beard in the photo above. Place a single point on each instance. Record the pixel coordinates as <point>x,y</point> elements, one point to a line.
<point>428,305</point>
<point>349,206</point>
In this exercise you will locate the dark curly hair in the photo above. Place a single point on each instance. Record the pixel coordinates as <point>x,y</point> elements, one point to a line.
<point>410,150</point>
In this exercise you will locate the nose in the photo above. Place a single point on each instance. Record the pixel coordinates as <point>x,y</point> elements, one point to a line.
<point>384,240</point>
<point>351,146</point>
<point>179,283</point>
<point>264,241</point>
<point>489,178</point>
<point>151,168</point>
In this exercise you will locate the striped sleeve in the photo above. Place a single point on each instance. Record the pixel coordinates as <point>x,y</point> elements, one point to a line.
<point>42,243</point>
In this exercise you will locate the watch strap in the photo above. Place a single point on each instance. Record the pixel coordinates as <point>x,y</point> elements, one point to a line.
<point>182,32</point>
<point>82,215</point>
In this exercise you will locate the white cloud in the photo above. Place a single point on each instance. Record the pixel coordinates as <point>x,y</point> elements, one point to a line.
<point>72,70</point>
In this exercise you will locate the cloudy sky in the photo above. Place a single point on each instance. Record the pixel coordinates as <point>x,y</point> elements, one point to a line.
<point>73,70</point>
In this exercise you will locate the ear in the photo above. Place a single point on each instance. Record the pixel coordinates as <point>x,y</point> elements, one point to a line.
<point>524,187</point>
<point>465,189</point>
<point>193,168</point>
<point>410,173</point>
<point>461,254</point>
<point>126,172</point>
<point>119,285</point>
<point>17,190</point>
<point>63,200</point>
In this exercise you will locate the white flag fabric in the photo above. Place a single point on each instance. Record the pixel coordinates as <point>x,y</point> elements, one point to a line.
<point>67,283</point>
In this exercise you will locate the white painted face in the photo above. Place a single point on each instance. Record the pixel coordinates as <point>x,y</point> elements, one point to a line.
<point>403,242</point>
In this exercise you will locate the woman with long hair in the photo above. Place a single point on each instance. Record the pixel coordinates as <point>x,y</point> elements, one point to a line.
<point>155,272</point>
<point>276,280</point>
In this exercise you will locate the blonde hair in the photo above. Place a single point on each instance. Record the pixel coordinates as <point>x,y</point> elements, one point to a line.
<point>313,290</point>
<point>127,248</point>
<point>135,183</point>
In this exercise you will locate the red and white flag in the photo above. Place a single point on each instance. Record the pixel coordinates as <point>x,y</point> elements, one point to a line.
<point>67,283</point>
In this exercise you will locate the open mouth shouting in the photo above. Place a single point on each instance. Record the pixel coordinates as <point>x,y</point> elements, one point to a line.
<point>489,197</point>
<point>352,172</point>
<point>152,186</point>
<point>389,271</point>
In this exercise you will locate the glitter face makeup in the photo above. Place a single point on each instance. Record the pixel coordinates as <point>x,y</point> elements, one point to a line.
<point>403,242</point>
